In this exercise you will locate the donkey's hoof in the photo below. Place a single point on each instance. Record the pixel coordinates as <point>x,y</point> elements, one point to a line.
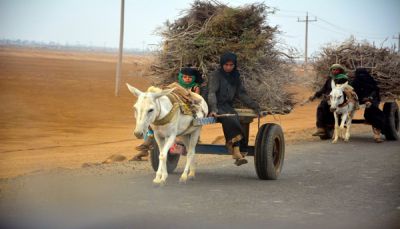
<point>159,183</point>
<point>156,180</point>
<point>334,141</point>
<point>191,176</point>
<point>183,179</point>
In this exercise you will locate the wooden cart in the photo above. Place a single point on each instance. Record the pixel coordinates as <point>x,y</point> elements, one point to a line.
<point>268,151</point>
<point>392,120</point>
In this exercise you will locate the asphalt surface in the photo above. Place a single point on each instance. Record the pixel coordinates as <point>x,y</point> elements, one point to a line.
<point>323,185</point>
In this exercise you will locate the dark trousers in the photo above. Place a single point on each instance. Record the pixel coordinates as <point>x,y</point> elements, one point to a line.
<point>232,129</point>
<point>324,115</point>
<point>375,117</point>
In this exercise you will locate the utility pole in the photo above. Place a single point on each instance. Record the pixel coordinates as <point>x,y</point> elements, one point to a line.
<point>398,44</point>
<point>306,39</point>
<point>121,47</point>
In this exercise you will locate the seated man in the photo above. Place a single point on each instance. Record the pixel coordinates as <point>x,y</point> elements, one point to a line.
<point>324,115</point>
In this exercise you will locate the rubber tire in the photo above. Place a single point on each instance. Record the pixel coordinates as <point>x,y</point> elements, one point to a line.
<point>172,159</point>
<point>328,135</point>
<point>392,120</point>
<point>269,136</point>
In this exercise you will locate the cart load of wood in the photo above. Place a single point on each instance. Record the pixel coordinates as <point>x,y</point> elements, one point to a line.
<point>208,29</point>
<point>383,64</point>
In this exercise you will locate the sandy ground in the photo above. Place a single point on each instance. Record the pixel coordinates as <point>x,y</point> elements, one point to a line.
<point>59,111</point>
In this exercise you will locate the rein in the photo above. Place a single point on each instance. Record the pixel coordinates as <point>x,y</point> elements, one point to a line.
<point>345,101</point>
<point>166,119</point>
<point>176,103</point>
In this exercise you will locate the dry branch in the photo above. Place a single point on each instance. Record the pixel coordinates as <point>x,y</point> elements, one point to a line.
<point>383,63</point>
<point>209,29</point>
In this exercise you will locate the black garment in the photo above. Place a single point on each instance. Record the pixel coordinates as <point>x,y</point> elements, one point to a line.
<point>340,81</point>
<point>325,90</point>
<point>223,88</point>
<point>367,90</point>
<point>375,117</point>
<point>325,117</point>
<point>366,87</point>
<point>327,87</point>
<point>232,129</point>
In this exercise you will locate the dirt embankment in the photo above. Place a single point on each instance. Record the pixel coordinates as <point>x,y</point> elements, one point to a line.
<point>59,110</point>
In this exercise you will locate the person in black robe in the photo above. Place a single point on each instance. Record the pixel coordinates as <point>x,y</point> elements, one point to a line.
<point>368,93</point>
<point>224,86</point>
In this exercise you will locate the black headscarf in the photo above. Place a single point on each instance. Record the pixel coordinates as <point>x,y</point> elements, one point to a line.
<point>364,84</point>
<point>231,77</point>
<point>193,72</point>
<point>363,77</point>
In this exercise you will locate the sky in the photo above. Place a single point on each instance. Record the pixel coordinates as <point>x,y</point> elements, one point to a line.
<point>96,22</point>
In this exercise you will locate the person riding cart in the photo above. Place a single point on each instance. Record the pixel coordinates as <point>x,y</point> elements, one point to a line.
<point>325,117</point>
<point>224,86</point>
<point>367,90</point>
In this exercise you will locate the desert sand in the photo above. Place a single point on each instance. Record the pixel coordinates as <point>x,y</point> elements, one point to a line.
<point>59,110</point>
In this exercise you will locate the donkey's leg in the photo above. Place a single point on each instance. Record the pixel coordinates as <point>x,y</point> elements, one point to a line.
<point>347,136</point>
<point>343,121</point>
<point>348,124</point>
<point>160,143</point>
<point>190,163</point>
<point>193,142</point>
<point>163,158</point>
<point>336,131</point>
<point>186,142</point>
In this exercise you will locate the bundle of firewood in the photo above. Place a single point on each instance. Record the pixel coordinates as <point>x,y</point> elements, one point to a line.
<point>383,64</point>
<point>208,29</point>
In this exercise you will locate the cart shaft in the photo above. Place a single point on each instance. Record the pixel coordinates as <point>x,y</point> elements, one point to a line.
<point>218,149</point>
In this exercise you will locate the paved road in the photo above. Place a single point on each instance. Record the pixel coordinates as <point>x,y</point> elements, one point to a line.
<point>353,185</point>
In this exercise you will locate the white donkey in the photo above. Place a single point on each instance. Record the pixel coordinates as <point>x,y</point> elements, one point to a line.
<point>340,104</point>
<point>165,118</point>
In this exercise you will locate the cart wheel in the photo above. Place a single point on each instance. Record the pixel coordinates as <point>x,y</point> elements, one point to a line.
<point>269,151</point>
<point>391,111</point>
<point>172,159</point>
<point>328,135</point>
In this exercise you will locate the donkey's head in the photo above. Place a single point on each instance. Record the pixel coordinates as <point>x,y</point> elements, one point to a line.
<point>336,97</point>
<point>146,108</point>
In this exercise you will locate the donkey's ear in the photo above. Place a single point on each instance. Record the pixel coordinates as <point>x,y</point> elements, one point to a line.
<point>164,92</point>
<point>333,85</point>
<point>134,90</point>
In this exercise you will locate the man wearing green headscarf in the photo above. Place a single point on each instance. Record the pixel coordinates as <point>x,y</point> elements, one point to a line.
<point>325,117</point>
